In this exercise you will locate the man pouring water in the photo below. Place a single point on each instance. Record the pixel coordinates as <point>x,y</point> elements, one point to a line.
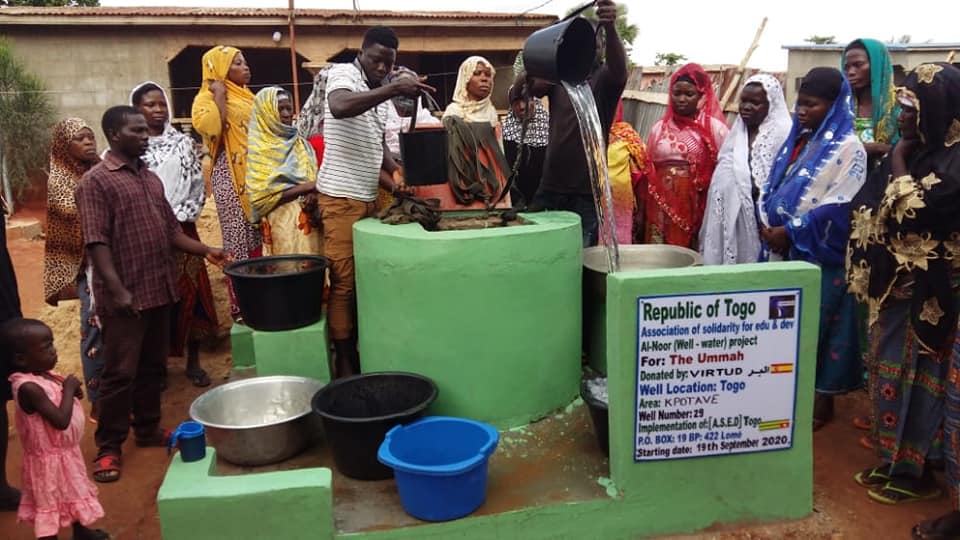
<point>565,184</point>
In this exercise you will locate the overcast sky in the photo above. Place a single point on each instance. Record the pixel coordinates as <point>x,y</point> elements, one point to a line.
<point>714,32</point>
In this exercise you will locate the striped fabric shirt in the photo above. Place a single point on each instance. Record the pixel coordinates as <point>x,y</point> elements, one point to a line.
<point>353,150</point>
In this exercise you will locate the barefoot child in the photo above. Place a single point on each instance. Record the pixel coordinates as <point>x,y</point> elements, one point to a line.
<point>55,489</point>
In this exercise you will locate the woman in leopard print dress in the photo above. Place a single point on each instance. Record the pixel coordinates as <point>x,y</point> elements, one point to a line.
<point>73,151</point>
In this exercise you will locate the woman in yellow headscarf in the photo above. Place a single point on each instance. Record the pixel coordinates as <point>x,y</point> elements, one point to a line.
<point>221,114</point>
<point>281,168</point>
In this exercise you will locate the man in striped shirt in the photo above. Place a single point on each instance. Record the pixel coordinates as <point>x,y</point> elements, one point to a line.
<point>353,132</point>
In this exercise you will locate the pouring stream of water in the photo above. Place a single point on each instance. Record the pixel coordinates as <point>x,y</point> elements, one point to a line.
<point>592,136</point>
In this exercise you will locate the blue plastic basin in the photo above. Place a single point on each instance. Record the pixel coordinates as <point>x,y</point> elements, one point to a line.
<point>440,465</point>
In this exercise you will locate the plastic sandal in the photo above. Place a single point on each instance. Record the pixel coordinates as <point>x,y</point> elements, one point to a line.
<point>106,469</point>
<point>93,534</point>
<point>892,494</point>
<point>872,477</point>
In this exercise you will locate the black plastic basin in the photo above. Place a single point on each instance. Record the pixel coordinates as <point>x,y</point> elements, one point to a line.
<point>358,411</point>
<point>280,292</point>
<point>599,416</point>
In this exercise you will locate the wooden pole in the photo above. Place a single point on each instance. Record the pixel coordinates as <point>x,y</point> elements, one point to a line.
<point>293,60</point>
<point>951,56</point>
<point>735,82</point>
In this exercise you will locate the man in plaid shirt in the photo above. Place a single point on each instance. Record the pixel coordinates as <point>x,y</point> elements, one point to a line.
<point>130,235</point>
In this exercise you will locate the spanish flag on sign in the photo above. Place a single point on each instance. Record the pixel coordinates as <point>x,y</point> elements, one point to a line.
<point>781,368</point>
<point>768,425</point>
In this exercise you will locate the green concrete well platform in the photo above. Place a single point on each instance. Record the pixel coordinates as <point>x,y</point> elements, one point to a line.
<point>195,504</point>
<point>541,474</point>
<point>302,351</point>
<point>491,315</point>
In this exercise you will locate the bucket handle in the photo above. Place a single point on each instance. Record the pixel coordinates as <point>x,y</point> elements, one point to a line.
<point>416,112</point>
<point>578,11</point>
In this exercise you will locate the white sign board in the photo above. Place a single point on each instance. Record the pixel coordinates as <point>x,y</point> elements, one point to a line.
<point>716,373</point>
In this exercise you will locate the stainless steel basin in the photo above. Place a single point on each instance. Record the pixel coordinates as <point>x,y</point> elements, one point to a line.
<point>260,420</point>
<point>633,257</point>
<point>642,257</point>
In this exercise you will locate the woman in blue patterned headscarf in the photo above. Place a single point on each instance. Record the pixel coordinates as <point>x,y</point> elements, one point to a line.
<point>805,214</point>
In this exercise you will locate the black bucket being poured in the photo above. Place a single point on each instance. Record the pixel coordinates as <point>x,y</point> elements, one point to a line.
<point>563,52</point>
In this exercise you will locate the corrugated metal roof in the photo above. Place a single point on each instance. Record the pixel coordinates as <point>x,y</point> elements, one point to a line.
<point>162,11</point>
<point>948,46</point>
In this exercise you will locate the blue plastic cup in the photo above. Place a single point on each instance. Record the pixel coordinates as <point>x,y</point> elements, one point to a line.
<point>190,438</point>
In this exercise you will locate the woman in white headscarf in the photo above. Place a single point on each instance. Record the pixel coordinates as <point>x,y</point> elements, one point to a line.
<point>729,234</point>
<point>478,170</point>
<point>173,156</point>
<point>471,97</point>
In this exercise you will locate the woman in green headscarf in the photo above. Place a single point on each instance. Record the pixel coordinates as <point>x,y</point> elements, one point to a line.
<point>281,171</point>
<point>867,66</point>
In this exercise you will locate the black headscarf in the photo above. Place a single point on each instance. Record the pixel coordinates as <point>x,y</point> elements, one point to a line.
<point>910,226</point>
<point>823,83</point>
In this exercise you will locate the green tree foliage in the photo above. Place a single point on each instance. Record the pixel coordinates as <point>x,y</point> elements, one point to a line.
<point>669,59</point>
<point>627,32</point>
<point>50,3</point>
<point>26,116</point>
<point>821,40</point>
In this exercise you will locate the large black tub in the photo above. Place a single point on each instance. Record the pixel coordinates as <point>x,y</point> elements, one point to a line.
<point>280,292</point>
<point>357,412</point>
<point>593,390</point>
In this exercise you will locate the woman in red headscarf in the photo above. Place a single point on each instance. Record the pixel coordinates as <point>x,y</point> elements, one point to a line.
<point>683,147</point>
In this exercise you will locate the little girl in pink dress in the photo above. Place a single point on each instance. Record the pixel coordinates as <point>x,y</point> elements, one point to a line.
<point>49,420</point>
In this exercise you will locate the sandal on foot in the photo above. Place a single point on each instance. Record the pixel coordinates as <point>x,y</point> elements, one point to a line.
<point>160,438</point>
<point>199,378</point>
<point>892,493</point>
<point>862,422</point>
<point>10,500</point>
<point>106,468</point>
<point>92,534</point>
<point>945,527</point>
<point>872,477</point>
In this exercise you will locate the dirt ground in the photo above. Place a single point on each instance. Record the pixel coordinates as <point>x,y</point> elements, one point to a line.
<point>841,508</point>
